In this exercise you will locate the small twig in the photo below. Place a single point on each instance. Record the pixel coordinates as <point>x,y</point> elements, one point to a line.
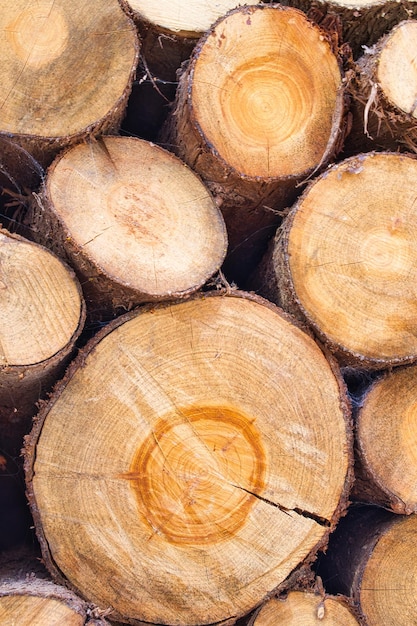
<point>369,103</point>
<point>152,79</point>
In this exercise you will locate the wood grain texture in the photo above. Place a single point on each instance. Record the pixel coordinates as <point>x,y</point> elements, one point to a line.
<point>193,440</point>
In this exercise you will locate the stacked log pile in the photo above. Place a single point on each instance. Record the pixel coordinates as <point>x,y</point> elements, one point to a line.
<point>208,345</point>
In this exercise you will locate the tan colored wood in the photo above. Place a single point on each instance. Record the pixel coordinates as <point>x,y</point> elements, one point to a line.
<point>385,93</point>
<point>133,220</point>
<point>387,592</point>
<point>259,107</point>
<point>40,303</point>
<point>42,315</point>
<point>28,597</point>
<point>67,71</point>
<point>206,449</point>
<point>372,558</point>
<point>303,608</point>
<point>386,441</point>
<point>396,72</point>
<point>191,19</point>
<point>345,260</point>
<point>35,611</point>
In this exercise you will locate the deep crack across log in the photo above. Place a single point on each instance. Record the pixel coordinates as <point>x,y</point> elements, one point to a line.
<point>316,518</point>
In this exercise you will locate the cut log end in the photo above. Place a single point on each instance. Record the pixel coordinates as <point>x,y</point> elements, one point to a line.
<point>41,303</point>
<point>197,450</point>
<point>372,558</point>
<point>190,20</point>
<point>136,223</point>
<point>29,598</point>
<point>347,258</point>
<point>264,87</point>
<point>397,72</point>
<point>302,607</point>
<point>42,316</point>
<point>46,100</point>
<point>37,611</point>
<point>387,588</point>
<point>386,439</point>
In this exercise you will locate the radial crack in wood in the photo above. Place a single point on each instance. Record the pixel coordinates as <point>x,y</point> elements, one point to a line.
<point>307,514</point>
<point>175,432</point>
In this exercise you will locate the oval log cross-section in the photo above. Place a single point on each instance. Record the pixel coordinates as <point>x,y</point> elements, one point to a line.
<point>345,260</point>
<point>27,599</point>
<point>372,558</point>
<point>184,20</point>
<point>386,431</point>
<point>206,450</point>
<point>67,71</point>
<point>258,108</point>
<point>42,314</point>
<point>133,220</point>
<point>306,608</point>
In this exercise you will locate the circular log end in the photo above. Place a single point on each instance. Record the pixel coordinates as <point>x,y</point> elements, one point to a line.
<point>31,610</point>
<point>351,255</point>
<point>387,438</point>
<point>388,586</point>
<point>185,20</point>
<point>41,303</point>
<point>193,439</point>
<point>138,215</point>
<point>302,607</point>
<point>52,53</point>
<point>265,92</point>
<point>397,70</point>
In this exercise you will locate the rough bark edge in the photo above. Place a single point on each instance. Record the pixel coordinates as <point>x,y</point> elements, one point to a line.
<point>106,296</point>
<point>352,546</point>
<point>313,584</point>
<point>361,25</point>
<point>368,487</point>
<point>251,206</point>
<point>277,285</point>
<point>18,168</point>
<point>20,175</point>
<point>45,149</point>
<point>377,122</point>
<point>205,156</point>
<point>303,569</point>
<point>179,43</point>
<point>22,574</point>
<point>35,380</point>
